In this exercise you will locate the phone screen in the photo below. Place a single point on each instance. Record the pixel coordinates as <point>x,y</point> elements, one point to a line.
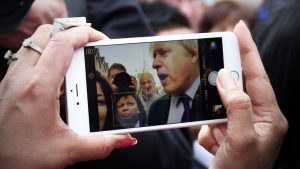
<point>154,83</point>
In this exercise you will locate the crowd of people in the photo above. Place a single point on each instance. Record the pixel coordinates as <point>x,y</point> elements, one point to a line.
<point>262,121</point>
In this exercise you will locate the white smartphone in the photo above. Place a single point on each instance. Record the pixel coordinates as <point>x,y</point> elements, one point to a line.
<point>151,83</point>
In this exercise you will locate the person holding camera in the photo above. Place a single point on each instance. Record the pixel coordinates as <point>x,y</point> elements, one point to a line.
<point>33,82</point>
<point>128,112</point>
<point>125,92</point>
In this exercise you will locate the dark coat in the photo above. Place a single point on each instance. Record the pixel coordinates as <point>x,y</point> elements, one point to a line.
<point>159,110</point>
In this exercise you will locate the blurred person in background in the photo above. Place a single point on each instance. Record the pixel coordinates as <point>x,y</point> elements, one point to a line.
<point>25,23</point>
<point>149,92</point>
<point>165,19</point>
<point>224,15</point>
<point>193,10</point>
<point>278,40</point>
<point>118,18</point>
<point>19,19</point>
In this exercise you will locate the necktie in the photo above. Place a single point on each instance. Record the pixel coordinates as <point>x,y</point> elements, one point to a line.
<point>186,116</point>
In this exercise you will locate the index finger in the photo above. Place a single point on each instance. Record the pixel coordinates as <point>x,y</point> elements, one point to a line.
<point>258,86</point>
<point>57,56</point>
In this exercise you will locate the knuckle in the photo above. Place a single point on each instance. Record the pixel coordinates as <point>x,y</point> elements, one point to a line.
<point>35,87</point>
<point>33,84</point>
<point>249,140</point>
<point>240,102</point>
<point>63,49</point>
<point>44,28</point>
<point>60,42</point>
<point>282,126</point>
<point>285,125</point>
<point>265,78</point>
<point>59,39</point>
<point>42,31</point>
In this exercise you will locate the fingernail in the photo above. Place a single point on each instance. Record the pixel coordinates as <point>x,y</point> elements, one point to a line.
<point>218,135</point>
<point>243,23</point>
<point>127,142</point>
<point>246,27</point>
<point>214,149</point>
<point>225,80</point>
<point>100,35</point>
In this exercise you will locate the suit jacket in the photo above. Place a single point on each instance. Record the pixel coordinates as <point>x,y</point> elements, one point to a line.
<point>159,110</point>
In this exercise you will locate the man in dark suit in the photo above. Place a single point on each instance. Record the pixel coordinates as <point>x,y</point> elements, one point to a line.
<point>160,109</point>
<point>177,65</point>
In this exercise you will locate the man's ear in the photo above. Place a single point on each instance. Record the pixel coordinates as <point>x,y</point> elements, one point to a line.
<point>195,58</point>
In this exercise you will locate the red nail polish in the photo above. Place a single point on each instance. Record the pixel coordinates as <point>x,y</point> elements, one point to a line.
<point>127,143</point>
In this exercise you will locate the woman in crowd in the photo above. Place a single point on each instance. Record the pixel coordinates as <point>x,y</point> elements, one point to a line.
<point>104,92</point>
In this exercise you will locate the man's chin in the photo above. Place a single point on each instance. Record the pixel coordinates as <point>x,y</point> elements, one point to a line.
<point>169,91</point>
<point>175,92</point>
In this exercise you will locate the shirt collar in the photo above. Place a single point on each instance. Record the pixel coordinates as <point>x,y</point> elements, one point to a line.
<point>191,91</point>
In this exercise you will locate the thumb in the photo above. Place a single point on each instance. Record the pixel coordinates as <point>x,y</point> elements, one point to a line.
<point>99,146</point>
<point>237,103</point>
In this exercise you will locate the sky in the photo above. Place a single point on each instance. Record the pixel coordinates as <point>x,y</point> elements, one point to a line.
<point>135,57</point>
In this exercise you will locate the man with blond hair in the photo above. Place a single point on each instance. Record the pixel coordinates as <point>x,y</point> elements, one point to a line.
<point>178,68</point>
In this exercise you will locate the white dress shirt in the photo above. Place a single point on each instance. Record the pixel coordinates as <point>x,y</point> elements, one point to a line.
<point>176,107</point>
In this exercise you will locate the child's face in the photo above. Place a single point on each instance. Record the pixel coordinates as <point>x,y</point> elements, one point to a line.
<point>127,107</point>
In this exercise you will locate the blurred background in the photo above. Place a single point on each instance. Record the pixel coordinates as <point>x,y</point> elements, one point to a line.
<point>274,25</point>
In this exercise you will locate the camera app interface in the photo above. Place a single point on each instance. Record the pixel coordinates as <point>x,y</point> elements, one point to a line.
<point>153,83</point>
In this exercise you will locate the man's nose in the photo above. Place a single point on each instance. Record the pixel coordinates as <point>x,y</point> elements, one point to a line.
<point>156,63</point>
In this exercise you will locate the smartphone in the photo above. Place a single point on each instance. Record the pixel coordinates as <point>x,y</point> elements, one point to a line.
<point>150,83</point>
